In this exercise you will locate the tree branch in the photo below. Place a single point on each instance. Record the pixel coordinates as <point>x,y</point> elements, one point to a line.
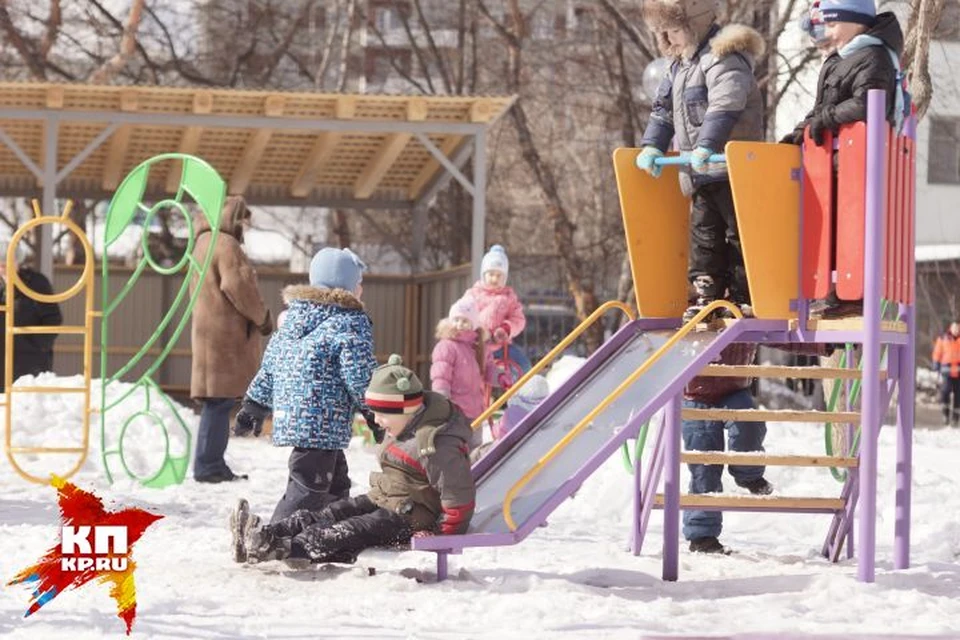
<point>128,44</point>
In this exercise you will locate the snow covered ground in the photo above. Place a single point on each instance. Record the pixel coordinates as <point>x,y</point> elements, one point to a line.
<point>572,579</point>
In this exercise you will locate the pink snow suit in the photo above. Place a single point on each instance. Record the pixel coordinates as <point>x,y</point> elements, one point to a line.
<point>499,308</point>
<point>454,370</point>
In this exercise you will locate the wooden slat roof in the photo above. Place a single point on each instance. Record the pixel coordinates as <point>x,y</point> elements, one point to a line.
<point>274,147</point>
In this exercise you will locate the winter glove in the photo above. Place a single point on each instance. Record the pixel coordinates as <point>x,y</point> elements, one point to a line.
<point>500,334</point>
<point>646,161</point>
<point>936,367</point>
<point>818,130</point>
<point>698,158</point>
<point>250,418</point>
<point>504,381</point>
<point>375,429</point>
<point>793,137</point>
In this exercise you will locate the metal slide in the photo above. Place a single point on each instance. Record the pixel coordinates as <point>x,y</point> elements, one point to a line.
<point>558,414</point>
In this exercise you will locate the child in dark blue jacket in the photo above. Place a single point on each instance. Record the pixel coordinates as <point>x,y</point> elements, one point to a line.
<point>313,378</point>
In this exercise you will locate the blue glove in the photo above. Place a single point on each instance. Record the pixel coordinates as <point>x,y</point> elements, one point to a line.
<point>936,367</point>
<point>698,158</point>
<point>646,161</point>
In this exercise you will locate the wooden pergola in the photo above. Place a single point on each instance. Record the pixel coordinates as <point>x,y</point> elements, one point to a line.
<point>275,148</point>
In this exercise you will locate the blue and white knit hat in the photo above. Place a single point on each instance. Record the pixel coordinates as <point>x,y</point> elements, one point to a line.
<point>496,259</point>
<point>336,269</point>
<point>858,11</point>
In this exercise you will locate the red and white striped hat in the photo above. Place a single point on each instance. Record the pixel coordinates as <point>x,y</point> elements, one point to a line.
<point>394,388</point>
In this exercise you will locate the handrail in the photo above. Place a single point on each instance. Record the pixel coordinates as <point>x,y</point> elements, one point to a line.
<point>684,160</point>
<point>643,368</point>
<point>542,364</point>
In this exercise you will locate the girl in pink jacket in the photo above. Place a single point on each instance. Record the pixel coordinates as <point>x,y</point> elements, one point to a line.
<point>499,308</point>
<point>460,365</point>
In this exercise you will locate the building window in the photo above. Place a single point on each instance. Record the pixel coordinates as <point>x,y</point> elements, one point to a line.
<point>943,159</point>
<point>949,26</point>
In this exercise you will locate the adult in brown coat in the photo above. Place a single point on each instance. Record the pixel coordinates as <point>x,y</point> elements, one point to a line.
<point>229,319</point>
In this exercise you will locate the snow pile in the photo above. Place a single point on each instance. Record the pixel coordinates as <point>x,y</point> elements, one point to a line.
<point>573,579</point>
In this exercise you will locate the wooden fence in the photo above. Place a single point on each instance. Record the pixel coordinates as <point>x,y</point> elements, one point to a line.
<point>404,309</point>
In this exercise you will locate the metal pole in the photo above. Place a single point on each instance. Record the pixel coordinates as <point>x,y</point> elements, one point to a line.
<point>45,248</point>
<point>906,398</point>
<point>671,491</point>
<point>876,154</point>
<point>638,499</point>
<point>441,566</point>
<point>479,201</point>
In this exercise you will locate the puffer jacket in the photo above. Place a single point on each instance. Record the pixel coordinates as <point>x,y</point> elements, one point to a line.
<point>946,355</point>
<point>708,100</point>
<point>455,372</point>
<point>316,368</point>
<point>425,472</point>
<point>844,81</point>
<point>499,308</point>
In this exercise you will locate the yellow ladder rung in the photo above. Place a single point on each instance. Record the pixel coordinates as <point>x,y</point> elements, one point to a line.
<point>761,415</point>
<point>769,371</point>
<point>25,389</point>
<point>759,503</point>
<point>64,329</point>
<point>738,458</point>
<point>47,450</point>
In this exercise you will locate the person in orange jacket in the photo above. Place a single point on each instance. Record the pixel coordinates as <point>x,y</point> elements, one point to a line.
<point>946,360</point>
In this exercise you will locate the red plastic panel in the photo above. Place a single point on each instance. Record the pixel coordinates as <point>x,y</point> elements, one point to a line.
<point>888,260</point>
<point>851,209</point>
<point>895,214</point>
<point>817,216</point>
<point>903,232</point>
<point>911,218</point>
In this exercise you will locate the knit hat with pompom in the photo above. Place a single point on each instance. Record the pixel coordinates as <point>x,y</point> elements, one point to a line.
<point>394,388</point>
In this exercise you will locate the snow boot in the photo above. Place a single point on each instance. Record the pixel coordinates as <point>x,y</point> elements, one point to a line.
<point>707,291</point>
<point>758,487</point>
<point>240,523</point>
<point>708,544</point>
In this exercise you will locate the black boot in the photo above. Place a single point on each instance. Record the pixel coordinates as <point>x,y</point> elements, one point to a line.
<point>240,523</point>
<point>758,487</point>
<point>707,291</point>
<point>739,293</point>
<point>708,544</point>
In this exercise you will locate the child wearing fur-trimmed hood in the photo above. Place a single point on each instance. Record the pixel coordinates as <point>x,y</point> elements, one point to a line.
<point>709,97</point>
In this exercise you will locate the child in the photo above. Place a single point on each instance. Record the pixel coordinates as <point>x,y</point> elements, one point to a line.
<point>708,98</point>
<point>526,400</point>
<point>424,487</point>
<point>460,364</point>
<point>314,373</point>
<point>866,50</point>
<point>501,313</point>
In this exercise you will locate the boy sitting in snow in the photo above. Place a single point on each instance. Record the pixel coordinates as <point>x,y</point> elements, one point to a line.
<point>424,487</point>
<point>313,376</point>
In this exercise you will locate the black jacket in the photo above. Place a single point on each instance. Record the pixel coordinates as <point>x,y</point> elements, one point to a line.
<point>32,353</point>
<point>844,82</point>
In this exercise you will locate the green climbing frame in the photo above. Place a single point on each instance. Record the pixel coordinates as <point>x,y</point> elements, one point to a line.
<point>207,191</point>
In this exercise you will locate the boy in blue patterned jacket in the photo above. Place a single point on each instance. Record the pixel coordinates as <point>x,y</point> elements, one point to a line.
<point>313,378</point>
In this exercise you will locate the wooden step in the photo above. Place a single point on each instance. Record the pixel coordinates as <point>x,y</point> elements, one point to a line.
<point>763,415</point>
<point>758,459</point>
<point>58,329</point>
<point>854,323</point>
<point>772,371</point>
<point>713,501</point>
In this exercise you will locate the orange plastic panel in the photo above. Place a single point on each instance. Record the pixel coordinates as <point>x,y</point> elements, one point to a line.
<point>817,216</point>
<point>656,221</point>
<point>851,210</point>
<point>766,193</point>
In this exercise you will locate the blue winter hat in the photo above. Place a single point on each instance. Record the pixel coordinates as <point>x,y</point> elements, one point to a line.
<point>858,11</point>
<point>336,269</point>
<point>496,260</point>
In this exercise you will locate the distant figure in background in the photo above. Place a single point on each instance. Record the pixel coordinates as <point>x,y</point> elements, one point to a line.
<point>32,354</point>
<point>946,360</point>
<point>228,321</point>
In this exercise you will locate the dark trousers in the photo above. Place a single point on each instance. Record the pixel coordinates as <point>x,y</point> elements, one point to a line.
<point>948,386</point>
<point>715,249</point>
<point>212,437</point>
<point>317,477</point>
<point>340,531</point>
<point>707,435</point>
